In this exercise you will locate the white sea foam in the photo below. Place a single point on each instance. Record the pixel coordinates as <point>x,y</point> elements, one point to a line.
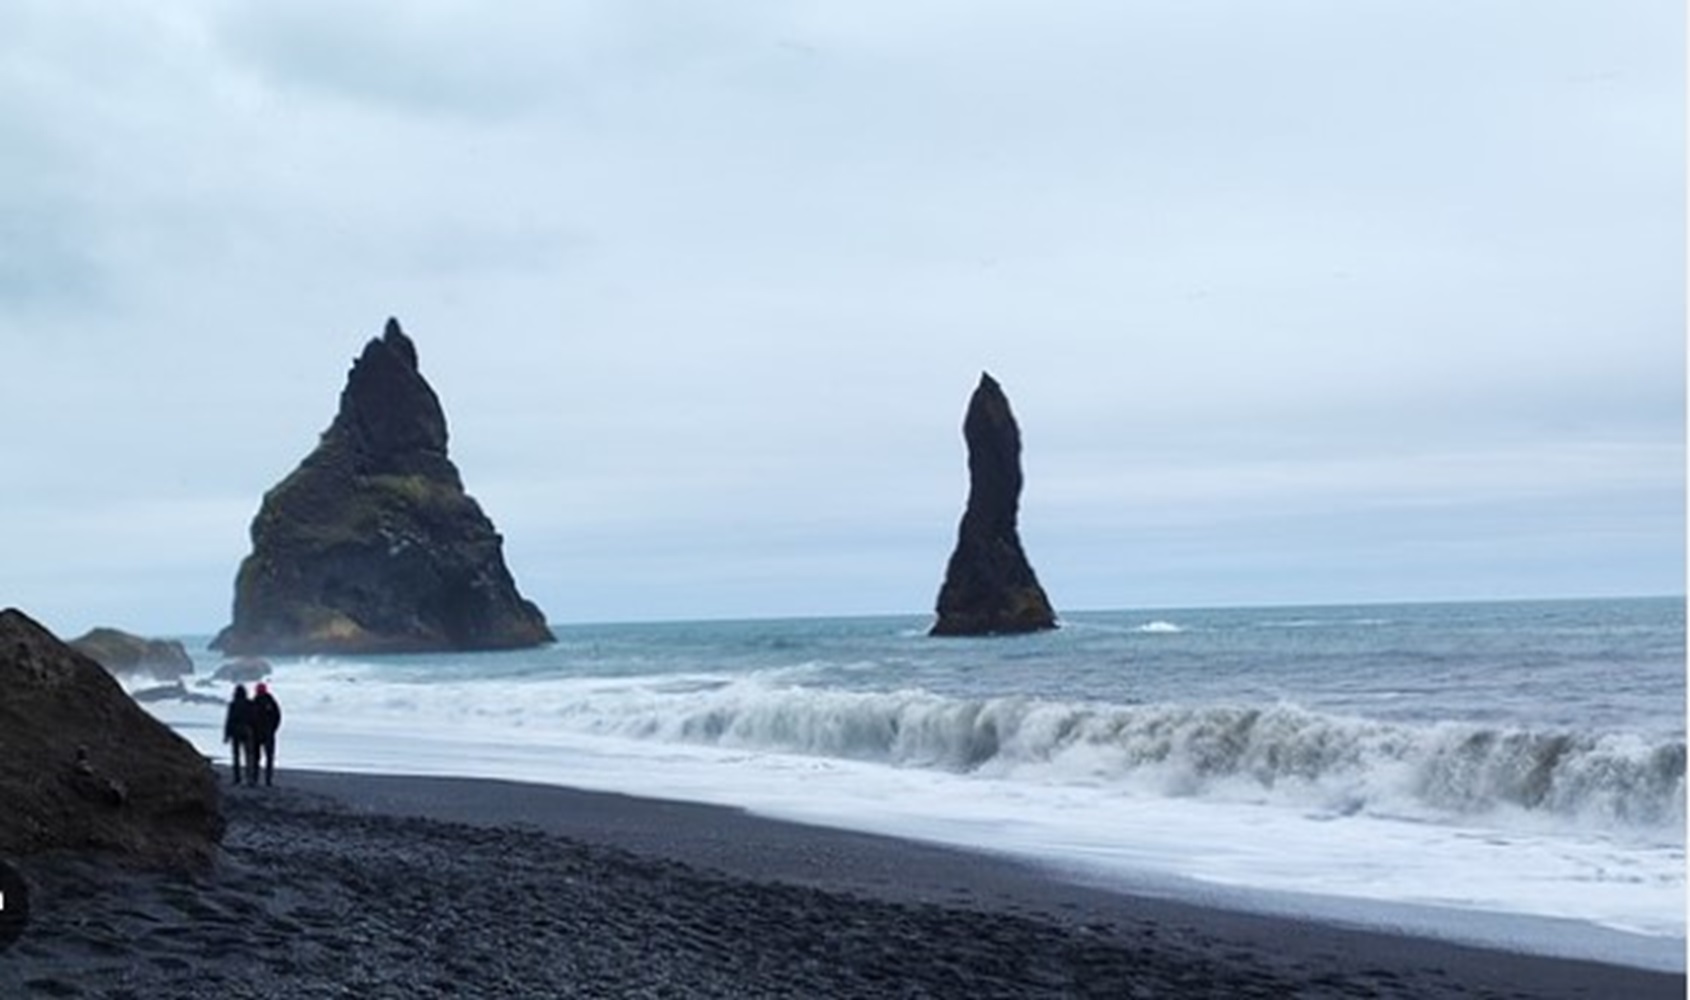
<point>1618,784</point>
<point>1155,626</point>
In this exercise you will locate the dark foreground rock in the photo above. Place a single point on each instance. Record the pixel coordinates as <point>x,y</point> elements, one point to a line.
<point>989,587</point>
<point>83,768</point>
<point>372,545</point>
<point>125,654</point>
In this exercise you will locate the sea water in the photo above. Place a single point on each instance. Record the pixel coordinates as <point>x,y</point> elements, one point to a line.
<point>1505,773</point>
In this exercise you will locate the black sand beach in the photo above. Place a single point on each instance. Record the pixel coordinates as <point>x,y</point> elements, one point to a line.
<point>351,885</point>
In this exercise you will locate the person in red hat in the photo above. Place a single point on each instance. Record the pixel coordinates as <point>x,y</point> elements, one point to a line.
<point>266,719</point>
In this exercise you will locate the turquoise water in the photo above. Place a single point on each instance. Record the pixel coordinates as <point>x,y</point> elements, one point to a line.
<point>1570,709</point>
<point>1579,665</point>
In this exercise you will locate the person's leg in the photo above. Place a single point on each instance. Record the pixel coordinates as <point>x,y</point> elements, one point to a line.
<point>269,757</point>
<point>252,761</point>
<point>235,752</point>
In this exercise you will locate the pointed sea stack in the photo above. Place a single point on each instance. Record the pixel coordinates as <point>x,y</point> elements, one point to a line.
<point>372,545</point>
<point>989,586</point>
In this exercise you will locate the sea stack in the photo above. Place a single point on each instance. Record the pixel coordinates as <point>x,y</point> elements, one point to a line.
<point>372,545</point>
<point>82,767</point>
<point>990,588</point>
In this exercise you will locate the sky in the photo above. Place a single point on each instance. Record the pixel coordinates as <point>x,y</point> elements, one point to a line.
<point>1314,301</point>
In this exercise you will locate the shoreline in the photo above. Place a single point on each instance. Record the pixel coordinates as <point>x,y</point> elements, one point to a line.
<point>426,886</point>
<point>624,820</point>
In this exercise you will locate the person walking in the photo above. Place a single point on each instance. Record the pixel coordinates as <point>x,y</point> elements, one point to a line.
<point>266,719</point>
<point>237,729</point>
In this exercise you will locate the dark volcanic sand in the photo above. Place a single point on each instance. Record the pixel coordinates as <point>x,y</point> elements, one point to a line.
<point>348,885</point>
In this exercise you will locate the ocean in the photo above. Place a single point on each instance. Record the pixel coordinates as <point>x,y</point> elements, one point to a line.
<point>1507,773</point>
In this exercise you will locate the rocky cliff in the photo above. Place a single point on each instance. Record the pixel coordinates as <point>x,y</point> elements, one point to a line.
<point>372,545</point>
<point>989,586</point>
<point>82,767</point>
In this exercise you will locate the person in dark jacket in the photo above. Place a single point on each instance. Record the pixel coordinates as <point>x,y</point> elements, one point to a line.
<point>237,728</point>
<point>266,719</point>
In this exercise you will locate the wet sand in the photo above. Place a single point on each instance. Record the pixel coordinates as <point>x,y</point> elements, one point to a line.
<point>356,885</point>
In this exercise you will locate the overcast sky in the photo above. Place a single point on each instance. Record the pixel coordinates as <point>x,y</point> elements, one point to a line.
<point>1316,301</point>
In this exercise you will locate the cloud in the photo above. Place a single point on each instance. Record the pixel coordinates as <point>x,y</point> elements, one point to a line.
<point>428,58</point>
<point>713,280</point>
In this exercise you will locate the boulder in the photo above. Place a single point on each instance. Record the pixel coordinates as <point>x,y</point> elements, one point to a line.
<point>245,670</point>
<point>371,545</point>
<point>125,654</point>
<point>84,768</point>
<point>173,692</point>
<point>989,587</point>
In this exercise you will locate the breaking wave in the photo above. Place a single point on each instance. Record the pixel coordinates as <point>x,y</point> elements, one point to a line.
<point>1281,753</point>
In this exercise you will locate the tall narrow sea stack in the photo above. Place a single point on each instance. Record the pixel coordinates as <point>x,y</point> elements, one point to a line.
<point>372,545</point>
<point>989,586</point>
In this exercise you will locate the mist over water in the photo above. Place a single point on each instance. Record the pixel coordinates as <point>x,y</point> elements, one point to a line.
<point>1523,759</point>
